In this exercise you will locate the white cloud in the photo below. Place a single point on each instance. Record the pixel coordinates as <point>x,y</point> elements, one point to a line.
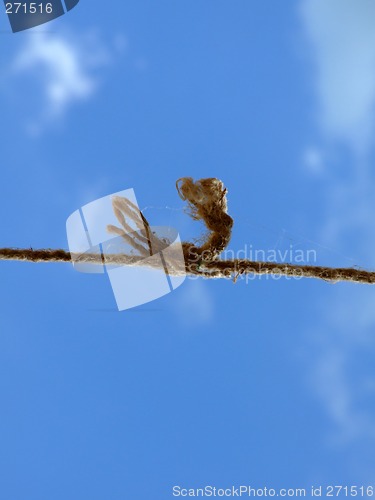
<point>63,69</point>
<point>342,35</point>
<point>338,375</point>
<point>194,305</point>
<point>313,160</point>
<point>330,381</point>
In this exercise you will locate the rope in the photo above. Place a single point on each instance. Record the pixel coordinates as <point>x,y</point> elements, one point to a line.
<point>207,201</point>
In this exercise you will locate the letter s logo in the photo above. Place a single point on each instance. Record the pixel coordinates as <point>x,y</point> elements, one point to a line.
<point>28,14</point>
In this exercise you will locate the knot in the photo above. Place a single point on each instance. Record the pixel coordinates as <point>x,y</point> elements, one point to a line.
<point>207,201</point>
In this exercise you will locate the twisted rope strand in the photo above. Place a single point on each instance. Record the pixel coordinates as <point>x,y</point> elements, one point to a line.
<point>207,200</point>
<point>215,269</point>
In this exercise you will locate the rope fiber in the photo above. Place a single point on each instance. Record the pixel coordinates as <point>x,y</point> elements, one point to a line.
<point>207,201</point>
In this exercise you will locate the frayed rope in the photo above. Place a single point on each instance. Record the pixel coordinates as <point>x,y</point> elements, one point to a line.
<point>207,201</point>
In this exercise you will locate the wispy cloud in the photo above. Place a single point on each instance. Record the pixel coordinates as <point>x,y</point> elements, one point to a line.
<point>341,34</point>
<point>313,160</point>
<point>342,374</point>
<point>62,69</point>
<point>194,304</point>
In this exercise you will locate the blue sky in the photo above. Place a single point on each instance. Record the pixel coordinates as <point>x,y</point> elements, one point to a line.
<point>268,383</point>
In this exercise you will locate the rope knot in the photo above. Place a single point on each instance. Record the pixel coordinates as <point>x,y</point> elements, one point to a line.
<point>207,201</point>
